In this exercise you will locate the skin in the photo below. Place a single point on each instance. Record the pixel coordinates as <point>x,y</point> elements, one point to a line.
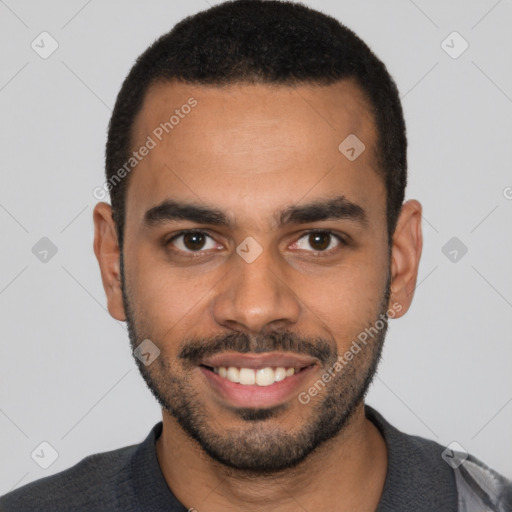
<point>251,151</point>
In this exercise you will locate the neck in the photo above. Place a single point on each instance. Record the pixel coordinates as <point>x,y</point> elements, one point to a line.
<point>345,473</point>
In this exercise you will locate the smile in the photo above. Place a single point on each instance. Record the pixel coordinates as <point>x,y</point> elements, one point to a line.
<point>249,376</point>
<point>257,380</point>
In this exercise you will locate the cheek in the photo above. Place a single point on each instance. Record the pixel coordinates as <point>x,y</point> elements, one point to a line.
<point>348,298</point>
<point>165,300</point>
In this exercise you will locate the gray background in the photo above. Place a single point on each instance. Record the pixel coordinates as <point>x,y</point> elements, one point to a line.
<point>66,373</point>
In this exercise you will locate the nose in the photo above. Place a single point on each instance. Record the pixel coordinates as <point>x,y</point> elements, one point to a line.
<point>256,297</point>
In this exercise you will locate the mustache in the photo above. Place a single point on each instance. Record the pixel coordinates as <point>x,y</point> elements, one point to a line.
<point>194,350</point>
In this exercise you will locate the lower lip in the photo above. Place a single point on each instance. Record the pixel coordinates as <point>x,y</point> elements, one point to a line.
<point>239,395</point>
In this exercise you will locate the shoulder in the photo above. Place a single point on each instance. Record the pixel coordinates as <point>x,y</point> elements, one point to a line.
<point>97,479</point>
<point>422,472</point>
<point>480,486</point>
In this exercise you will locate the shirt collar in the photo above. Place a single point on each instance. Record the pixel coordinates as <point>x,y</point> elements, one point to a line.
<point>417,479</point>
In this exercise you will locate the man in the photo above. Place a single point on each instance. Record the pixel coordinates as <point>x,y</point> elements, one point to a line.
<point>256,246</point>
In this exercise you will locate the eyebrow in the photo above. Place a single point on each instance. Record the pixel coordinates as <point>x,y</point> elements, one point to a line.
<point>337,208</point>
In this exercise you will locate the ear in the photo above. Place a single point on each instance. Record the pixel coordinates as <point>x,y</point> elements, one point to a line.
<point>405,256</point>
<point>106,248</point>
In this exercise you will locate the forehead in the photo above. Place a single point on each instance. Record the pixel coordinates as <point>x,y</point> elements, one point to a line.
<point>253,146</point>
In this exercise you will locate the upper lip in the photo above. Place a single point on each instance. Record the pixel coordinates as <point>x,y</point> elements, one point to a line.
<point>255,361</point>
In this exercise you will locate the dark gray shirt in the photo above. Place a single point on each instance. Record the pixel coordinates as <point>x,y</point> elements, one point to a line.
<point>130,480</point>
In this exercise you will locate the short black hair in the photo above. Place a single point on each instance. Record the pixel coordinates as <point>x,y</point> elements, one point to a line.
<point>266,42</point>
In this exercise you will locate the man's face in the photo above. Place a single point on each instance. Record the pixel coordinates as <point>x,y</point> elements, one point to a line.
<point>254,288</point>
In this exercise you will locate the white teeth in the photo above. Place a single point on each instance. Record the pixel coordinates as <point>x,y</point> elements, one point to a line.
<point>279,374</point>
<point>249,377</point>
<point>265,376</point>
<point>233,374</point>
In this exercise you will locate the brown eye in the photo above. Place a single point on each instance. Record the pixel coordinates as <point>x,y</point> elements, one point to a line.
<point>319,241</point>
<point>194,241</point>
<point>191,241</point>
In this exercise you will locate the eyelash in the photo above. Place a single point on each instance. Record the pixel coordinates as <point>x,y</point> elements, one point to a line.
<point>199,253</point>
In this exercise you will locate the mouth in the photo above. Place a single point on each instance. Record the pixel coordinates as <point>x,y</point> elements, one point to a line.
<point>250,377</point>
<point>256,380</point>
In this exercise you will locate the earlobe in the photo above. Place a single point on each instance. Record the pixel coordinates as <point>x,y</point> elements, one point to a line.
<point>106,249</point>
<point>405,255</point>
